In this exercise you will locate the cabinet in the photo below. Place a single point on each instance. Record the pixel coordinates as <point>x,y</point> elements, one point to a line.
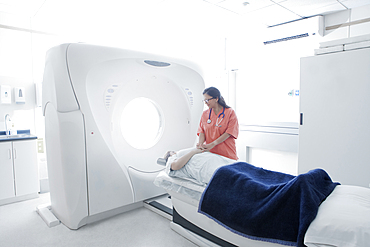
<point>334,132</point>
<point>6,171</point>
<point>18,170</point>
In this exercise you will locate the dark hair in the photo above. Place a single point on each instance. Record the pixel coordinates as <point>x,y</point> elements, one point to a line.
<point>215,93</point>
<point>167,155</point>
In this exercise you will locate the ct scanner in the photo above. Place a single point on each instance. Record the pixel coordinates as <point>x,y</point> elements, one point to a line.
<point>109,114</point>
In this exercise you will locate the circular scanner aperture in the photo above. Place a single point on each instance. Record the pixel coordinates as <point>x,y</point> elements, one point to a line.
<point>141,123</point>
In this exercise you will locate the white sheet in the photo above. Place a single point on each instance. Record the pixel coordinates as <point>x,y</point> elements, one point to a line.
<point>182,186</point>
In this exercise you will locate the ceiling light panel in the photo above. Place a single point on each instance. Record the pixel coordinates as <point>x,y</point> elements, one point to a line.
<point>214,1</point>
<point>244,6</point>
<point>23,3</point>
<point>25,7</point>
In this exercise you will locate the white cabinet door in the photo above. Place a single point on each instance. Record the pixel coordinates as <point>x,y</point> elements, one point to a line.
<point>6,171</point>
<point>25,167</point>
<point>335,100</point>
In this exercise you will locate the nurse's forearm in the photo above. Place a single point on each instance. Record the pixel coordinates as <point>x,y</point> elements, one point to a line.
<point>221,139</point>
<point>202,138</point>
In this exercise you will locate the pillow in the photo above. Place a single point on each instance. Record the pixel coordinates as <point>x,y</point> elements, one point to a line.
<point>343,219</point>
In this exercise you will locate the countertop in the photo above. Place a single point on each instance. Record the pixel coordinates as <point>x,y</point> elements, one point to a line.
<point>21,135</point>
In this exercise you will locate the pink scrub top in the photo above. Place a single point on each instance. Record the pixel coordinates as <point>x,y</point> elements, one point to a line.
<point>228,124</point>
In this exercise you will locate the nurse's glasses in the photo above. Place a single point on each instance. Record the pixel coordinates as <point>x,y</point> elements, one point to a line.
<point>206,100</point>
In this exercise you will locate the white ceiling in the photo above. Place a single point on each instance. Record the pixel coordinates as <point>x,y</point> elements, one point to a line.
<point>272,12</point>
<point>269,12</point>
<point>22,7</point>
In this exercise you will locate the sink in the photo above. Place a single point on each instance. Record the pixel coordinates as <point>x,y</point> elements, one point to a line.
<point>19,135</point>
<point>4,137</point>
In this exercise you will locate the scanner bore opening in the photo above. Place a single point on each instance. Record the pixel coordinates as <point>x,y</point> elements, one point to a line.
<point>142,123</point>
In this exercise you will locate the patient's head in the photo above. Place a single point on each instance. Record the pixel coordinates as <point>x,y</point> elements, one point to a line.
<point>168,154</point>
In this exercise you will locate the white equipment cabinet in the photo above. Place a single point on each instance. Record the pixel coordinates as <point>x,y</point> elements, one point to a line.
<point>334,103</point>
<point>18,171</point>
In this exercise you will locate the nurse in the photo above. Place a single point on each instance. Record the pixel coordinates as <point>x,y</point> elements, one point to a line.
<point>218,127</point>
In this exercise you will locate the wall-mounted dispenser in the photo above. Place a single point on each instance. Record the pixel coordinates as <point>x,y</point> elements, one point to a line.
<point>19,95</point>
<point>6,95</point>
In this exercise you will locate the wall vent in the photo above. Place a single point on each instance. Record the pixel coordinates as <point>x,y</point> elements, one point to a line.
<point>286,39</point>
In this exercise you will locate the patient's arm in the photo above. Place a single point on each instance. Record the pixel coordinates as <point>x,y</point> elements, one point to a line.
<point>201,141</point>
<point>180,162</point>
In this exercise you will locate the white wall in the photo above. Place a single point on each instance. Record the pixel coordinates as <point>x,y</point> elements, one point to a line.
<point>266,75</point>
<point>21,65</point>
<point>271,71</point>
<point>16,71</point>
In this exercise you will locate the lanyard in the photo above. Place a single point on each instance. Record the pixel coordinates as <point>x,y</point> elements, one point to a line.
<point>217,121</point>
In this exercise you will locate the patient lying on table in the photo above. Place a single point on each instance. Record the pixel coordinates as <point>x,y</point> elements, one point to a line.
<point>194,164</point>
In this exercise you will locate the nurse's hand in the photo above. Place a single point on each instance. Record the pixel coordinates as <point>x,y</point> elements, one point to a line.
<point>200,146</point>
<point>209,146</point>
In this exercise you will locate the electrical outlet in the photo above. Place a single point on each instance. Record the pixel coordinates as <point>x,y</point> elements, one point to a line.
<point>40,145</point>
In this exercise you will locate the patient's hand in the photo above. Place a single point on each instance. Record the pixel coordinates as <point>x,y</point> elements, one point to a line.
<point>202,147</point>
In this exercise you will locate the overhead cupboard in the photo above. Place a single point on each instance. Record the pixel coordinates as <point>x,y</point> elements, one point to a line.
<point>18,170</point>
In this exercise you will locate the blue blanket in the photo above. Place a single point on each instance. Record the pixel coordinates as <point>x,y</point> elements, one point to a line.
<point>265,205</point>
